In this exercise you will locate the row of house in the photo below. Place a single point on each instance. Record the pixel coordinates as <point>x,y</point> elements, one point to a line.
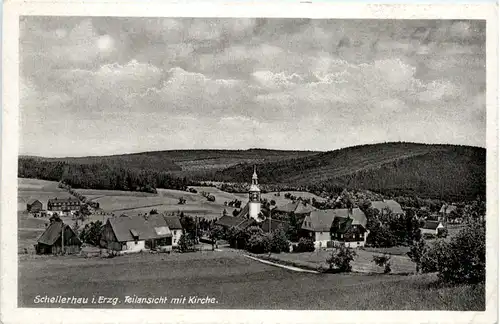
<point>123,234</point>
<point>348,226</point>
<point>62,206</point>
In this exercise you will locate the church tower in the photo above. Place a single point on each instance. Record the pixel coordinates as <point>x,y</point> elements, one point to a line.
<point>254,195</point>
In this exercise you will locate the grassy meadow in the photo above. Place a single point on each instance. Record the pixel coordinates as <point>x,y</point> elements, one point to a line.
<point>235,282</point>
<point>362,263</point>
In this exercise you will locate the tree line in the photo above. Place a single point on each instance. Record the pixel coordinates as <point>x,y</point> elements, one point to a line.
<point>100,175</point>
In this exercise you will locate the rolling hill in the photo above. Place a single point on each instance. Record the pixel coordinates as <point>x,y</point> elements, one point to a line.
<point>429,171</point>
<point>448,172</point>
<point>183,162</point>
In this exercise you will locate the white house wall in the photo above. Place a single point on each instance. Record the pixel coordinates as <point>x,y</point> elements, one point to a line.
<point>176,236</point>
<point>321,239</point>
<point>132,246</point>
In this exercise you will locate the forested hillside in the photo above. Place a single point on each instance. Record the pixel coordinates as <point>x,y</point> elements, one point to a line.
<point>100,175</point>
<point>429,171</point>
<point>184,162</point>
<point>145,171</point>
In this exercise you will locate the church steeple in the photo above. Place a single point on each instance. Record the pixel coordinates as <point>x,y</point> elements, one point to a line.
<point>254,176</point>
<point>254,196</point>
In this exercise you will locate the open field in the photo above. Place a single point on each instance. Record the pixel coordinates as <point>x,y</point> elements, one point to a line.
<point>234,281</point>
<point>37,189</point>
<point>129,202</point>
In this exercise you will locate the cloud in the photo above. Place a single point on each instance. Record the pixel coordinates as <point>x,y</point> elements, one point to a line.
<point>155,83</point>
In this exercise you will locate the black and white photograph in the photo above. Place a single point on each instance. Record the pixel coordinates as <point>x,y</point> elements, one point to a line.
<point>252,163</point>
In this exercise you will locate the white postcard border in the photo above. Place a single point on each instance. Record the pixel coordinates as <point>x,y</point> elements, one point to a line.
<point>10,143</point>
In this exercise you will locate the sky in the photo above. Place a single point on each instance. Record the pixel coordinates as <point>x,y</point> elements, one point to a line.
<point>101,86</point>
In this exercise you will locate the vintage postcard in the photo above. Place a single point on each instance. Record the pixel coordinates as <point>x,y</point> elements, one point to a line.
<point>236,162</point>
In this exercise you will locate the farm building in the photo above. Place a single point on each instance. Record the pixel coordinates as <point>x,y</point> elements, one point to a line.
<point>273,225</point>
<point>57,233</point>
<point>445,212</point>
<point>298,207</point>
<point>432,227</point>
<point>174,224</point>
<point>134,234</point>
<point>342,225</point>
<point>63,205</point>
<point>388,204</point>
<point>235,221</point>
<point>34,206</point>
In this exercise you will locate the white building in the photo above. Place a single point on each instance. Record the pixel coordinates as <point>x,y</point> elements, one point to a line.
<point>254,199</point>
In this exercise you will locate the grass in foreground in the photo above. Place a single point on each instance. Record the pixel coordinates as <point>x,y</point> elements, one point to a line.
<point>236,282</point>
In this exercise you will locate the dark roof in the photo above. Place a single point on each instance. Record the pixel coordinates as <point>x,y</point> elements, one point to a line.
<point>297,207</point>
<point>229,221</point>
<point>275,224</point>
<point>153,228</point>
<point>32,201</point>
<point>62,200</point>
<point>392,205</point>
<point>247,223</point>
<point>322,220</point>
<point>341,224</point>
<point>53,232</point>
<point>432,225</point>
<point>244,211</point>
<point>173,222</point>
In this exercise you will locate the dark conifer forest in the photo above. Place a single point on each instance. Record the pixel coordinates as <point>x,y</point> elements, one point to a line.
<point>448,172</point>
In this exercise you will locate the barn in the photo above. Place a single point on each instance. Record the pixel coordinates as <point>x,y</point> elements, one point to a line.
<point>34,206</point>
<point>432,227</point>
<point>57,233</point>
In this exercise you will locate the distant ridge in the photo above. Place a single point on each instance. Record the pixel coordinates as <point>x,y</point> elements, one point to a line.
<point>428,170</point>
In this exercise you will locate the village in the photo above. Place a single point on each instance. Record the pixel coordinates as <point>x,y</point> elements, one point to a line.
<point>305,228</point>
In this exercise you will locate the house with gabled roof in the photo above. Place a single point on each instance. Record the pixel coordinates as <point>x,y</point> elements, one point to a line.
<point>235,221</point>
<point>341,225</point>
<point>298,207</point>
<point>63,205</point>
<point>58,238</point>
<point>432,227</point>
<point>134,234</point>
<point>175,226</point>
<point>34,206</point>
<point>388,204</point>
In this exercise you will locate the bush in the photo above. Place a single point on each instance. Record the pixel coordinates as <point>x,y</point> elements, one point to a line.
<point>383,261</point>
<point>259,243</point>
<point>434,256</point>
<point>442,232</point>
<point>381,236</point>
<point>186,243</point>
<point>416,253</point>
<point>341,258</point>
<point>465,260</point>
<point>279,241</point>
<point>91,233</point>
<point>305,245</point>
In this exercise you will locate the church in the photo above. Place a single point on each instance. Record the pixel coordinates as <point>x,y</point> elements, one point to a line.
<point>251,214</point>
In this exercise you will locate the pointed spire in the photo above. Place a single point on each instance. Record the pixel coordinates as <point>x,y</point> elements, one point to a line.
<point>254,176</point>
